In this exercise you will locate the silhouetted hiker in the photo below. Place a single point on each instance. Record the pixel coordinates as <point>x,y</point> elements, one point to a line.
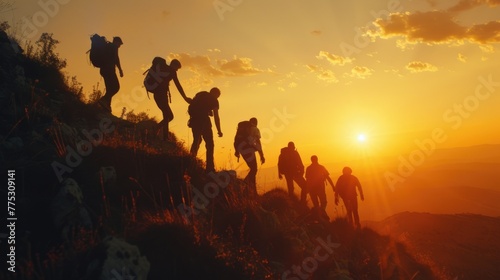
<point>157,81</point>
<point>108,73</point>
<point>316,175</point>
<point>204,105</point>
<point>346,189</point>
<point>246,143</point>
<point>290,165</point>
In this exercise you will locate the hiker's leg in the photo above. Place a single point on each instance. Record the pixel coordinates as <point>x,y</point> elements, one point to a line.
<point>162,103</point>
<point>196,140</point>
<point>347,203</point>
<point>289,183</point>
<point>251,161</point>
<point>314,197</point>
<point>303,185</point>
<point>208,136</point>
<point>168,116</point>
<point>110,82</point>
<point>322,198</point>
<point>354,205</point>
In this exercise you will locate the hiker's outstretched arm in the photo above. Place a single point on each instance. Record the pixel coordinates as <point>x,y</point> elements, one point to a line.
<point>181,90</point>
<point>217,122</point>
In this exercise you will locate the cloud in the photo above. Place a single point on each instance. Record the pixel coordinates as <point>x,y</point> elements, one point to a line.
<point>462,57</point>
<point>435,27</point>
<point>238,66</point>
<point>323,74</point>
<point>204,65</point>
<point>465,5</point>
<point>361,72</point>
<point>333,59</point>
<point>418,66</point>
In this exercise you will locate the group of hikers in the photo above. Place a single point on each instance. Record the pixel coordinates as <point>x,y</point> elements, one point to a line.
<point>316,175</point>
<point>247,142</point>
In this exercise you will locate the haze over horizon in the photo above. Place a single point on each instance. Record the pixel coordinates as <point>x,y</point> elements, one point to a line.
<point>350,82</point>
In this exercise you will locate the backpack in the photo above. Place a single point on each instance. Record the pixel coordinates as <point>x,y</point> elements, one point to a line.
<point>100,51</point>
<point>289,162</point>
<point>242,133</point>
<point>198,106</point>
<point>156,80</point>
<point>282,159</point>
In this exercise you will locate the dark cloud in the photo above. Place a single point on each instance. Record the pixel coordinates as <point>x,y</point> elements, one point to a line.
<point>435,27</point>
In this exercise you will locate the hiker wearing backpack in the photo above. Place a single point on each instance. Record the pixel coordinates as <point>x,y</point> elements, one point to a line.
<point>346,189</point>
<point>246,143</point>
<point>110,61</point>
<point>316,175</point>
<point>290,165</point>
<point>157,81</point>
<point>204,105</point>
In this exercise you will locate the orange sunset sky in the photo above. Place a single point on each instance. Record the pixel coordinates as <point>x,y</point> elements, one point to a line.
<point>319,73</point>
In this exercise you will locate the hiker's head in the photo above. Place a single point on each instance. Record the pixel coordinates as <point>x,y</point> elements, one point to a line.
<point>291,145</point>
<point>253,121</point>
<point>117,41</point>
<point>215,91</point>
<point>314,159</point>
<point>176,64</point>
<point>347,170</point>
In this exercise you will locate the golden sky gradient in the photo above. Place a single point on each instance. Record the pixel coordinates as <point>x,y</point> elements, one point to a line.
<point>318,73</point>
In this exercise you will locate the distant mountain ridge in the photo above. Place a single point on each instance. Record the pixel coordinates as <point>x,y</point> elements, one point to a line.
<point>459,246</point>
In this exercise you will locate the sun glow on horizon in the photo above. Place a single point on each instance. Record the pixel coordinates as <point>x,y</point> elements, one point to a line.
<point>362,138</point>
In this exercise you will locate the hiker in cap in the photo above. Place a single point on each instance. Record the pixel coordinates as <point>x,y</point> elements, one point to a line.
<point>204,105</point>
<point>108,73</point>
<point>346,189</point>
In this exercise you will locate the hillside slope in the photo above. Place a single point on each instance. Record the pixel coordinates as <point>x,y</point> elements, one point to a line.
<point>102,197</point>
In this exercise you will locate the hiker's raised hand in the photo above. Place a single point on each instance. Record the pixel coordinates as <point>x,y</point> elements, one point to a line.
<point>362,198</point>
<point>220,134</point>
<point>121,73</point>
<point>262,160</point>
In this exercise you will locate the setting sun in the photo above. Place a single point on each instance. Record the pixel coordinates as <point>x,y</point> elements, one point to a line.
<point>361,138</point>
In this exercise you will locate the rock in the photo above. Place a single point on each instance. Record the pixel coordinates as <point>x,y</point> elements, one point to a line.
<point>123,261</point>
<point>67,208</point>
